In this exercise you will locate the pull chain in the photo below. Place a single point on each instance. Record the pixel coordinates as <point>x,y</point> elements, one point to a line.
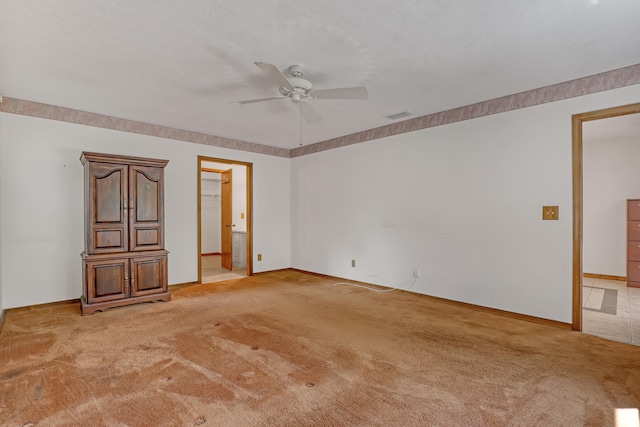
<point>300,106</point>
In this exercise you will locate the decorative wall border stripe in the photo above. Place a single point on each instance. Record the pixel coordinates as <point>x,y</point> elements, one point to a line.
<point>614,79</point>
<point>608,80</point>
<point>45,111</point>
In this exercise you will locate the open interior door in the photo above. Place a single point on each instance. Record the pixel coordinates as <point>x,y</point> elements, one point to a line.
<point>226,215</point>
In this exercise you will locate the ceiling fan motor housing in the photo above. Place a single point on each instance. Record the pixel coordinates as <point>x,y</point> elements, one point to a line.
<point>301,88</point>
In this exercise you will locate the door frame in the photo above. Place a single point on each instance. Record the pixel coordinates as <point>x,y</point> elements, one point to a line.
<point>577,167</point>
<point>226,217</point>
<point>248,213</point>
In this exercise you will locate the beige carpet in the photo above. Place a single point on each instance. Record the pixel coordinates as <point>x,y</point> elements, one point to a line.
<point>288,349</point>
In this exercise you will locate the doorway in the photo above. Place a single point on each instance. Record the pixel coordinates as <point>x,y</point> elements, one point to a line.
<point>611,298</point>
<point>224,219</point>
<point>578,200</point>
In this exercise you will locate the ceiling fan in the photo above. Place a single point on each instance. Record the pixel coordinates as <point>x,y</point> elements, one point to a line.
<point>300,90</point>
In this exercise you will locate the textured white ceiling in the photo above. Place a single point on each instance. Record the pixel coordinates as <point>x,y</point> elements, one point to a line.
<point>181,63</point>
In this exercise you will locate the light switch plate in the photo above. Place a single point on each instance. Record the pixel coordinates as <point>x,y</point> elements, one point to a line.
<point>550,213</point>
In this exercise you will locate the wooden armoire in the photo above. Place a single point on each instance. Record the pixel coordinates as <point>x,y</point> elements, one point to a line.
<point>124,260</point>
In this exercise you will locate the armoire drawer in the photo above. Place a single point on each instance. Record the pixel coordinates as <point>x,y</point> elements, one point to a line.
<point>633,251</point>
<point>633,230</point>
<point>633,210</point>
<point>633,271</point>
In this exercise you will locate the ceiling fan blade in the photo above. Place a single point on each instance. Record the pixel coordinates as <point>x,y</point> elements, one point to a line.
<point>251,101</point>
<point>359,92</point>
<point>309,114</point>
<point>275,74</point>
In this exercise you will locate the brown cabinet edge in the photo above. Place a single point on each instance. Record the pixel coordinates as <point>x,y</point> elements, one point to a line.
<point>128,160</point>
<point>101,306</point>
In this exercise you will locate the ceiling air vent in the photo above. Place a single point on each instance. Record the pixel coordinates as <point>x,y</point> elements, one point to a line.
<point>399,115</point>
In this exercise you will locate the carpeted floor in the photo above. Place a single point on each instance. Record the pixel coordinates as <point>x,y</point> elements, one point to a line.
<point>288,349</point>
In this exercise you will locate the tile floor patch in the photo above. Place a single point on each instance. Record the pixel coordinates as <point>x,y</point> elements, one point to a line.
<point>596,296</point>
<point>624,325</point>
<point>605,301</point>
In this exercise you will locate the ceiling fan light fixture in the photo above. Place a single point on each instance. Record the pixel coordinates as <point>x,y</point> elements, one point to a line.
<point>300,90</point>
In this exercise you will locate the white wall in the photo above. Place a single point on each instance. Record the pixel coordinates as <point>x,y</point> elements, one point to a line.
<point>210,213</point>
<point>41,193</point>
<point>462,203</point>
<point>611,176</point>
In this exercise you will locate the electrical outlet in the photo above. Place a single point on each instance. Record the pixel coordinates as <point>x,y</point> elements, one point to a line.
<point>259,257</point>
<point>353,263</point>
<point>416,273</point>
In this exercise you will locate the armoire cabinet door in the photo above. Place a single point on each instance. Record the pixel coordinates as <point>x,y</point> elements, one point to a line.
<point>146,213</point>
<point>107,280</point>
<point>148,275</point>
<point>107,208</point>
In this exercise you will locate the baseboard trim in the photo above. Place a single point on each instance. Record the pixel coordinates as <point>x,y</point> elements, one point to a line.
<point>505,313</point>
<point>279,270</point>
<point>43,305</point>
<point>176,286</point>
<point>495,311</point>
<point>604,276</point>
<point>68,301</point>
